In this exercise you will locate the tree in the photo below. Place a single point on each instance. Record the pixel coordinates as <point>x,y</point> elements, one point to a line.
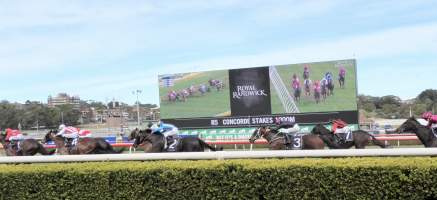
<point>390,100</point>
<point>69,115</point>
<point>10,115</point>
<point>429,98</point>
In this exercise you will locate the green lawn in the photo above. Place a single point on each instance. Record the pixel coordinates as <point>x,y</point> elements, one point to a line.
<point>343,99</point>
<point>211,104</point>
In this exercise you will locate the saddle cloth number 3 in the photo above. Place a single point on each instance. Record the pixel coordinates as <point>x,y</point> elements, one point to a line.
<point>297,142</point>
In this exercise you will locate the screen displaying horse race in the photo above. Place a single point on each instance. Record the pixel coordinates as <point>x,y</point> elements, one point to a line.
<point>306,92</point>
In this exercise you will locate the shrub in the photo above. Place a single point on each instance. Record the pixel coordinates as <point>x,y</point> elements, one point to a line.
<point>339,178</point>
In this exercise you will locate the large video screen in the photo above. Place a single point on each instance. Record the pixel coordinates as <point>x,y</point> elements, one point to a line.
<point>306,92</point>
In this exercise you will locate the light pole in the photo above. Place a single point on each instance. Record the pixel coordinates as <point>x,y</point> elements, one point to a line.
<point>138,106</point>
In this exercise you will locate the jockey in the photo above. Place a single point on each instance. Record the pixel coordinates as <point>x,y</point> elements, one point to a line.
<point>12,136</point>
<point>324,82</point>
<point>432,121</point>
<point>342,72</point>
<point>307,83</point>
<point>317,88</point>
<point>167,130</point>
<point>172,93</point>
<point>295,82</point>
<point>288,128</point>
<point>339,126</point>
<point>306,72</point>
<point>68,132</point>
<point>328,76</point>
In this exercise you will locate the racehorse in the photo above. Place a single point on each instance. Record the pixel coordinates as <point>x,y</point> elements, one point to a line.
<point>277,140</point>
<point>218,84</point>
<point>297,92</point>
<point>28,147</point>
<point>203,89</point>
<point>317,95</point>
<point>330,87</point>
<point>324,89</point>
<point>211,82</point>
<point>360,138</point>
<point>424,133</point>
<point>307,85</point>
<point>85,145</point>
<point>154,143</point>
<point>182,95</point>
<point>341,80</point>
<point>172,96</point>
<point>191,90</point>
<point>295,84</point>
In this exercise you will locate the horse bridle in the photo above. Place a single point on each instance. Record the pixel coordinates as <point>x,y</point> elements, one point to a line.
<point>274,137</point>
<point>258,134</point>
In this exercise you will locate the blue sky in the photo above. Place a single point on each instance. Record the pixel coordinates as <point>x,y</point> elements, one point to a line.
<point>106,49</point>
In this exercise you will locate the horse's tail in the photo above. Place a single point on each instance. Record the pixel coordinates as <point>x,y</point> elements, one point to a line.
<point>204,144</point>
<point>376,141</point>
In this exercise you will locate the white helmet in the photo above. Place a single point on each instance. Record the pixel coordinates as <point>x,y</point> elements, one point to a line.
<point>154,127</point>
<point>62,126</point>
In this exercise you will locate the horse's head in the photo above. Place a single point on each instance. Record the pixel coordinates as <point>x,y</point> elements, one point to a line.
<point>49,136</point>
<point>2,136</point>
<point>133,134</point>
<point>258,133</point>
<point>320,129</point>
<point>410,125</point>
<point>141,136</point>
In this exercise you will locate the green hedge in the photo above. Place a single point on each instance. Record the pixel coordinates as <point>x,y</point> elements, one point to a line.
<point>342,178</point>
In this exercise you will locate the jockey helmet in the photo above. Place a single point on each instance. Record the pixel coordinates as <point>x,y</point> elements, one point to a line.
<point>427,115</point>
<point>62,126</point>
<point>154,128</point>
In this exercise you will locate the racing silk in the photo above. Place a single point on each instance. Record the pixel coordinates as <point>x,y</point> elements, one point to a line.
<point>328,76</point>
<point>342,72</point>
<point>432,120</point>
<point>68,130</point>
<point>13,134</point>
<point>295,84</point>
<point>324,82</point>
<point>165,128</point>
<point>337,125</point>
<point>307,82</point>
<point>317,87</point>
<point>84,133</point>
<point>288,128</point>
<point>286,125</point>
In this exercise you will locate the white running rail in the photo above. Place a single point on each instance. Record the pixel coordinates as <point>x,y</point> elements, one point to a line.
<point>221,155</point>
<point>283,94</point>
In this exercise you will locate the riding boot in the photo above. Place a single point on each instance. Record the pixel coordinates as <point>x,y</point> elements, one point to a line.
<point>12,144</point>
<point>165,142</point>
<point>287,141</point>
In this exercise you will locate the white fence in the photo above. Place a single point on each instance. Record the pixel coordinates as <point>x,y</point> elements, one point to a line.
<point>283,94</point>
<point>220,155</point>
